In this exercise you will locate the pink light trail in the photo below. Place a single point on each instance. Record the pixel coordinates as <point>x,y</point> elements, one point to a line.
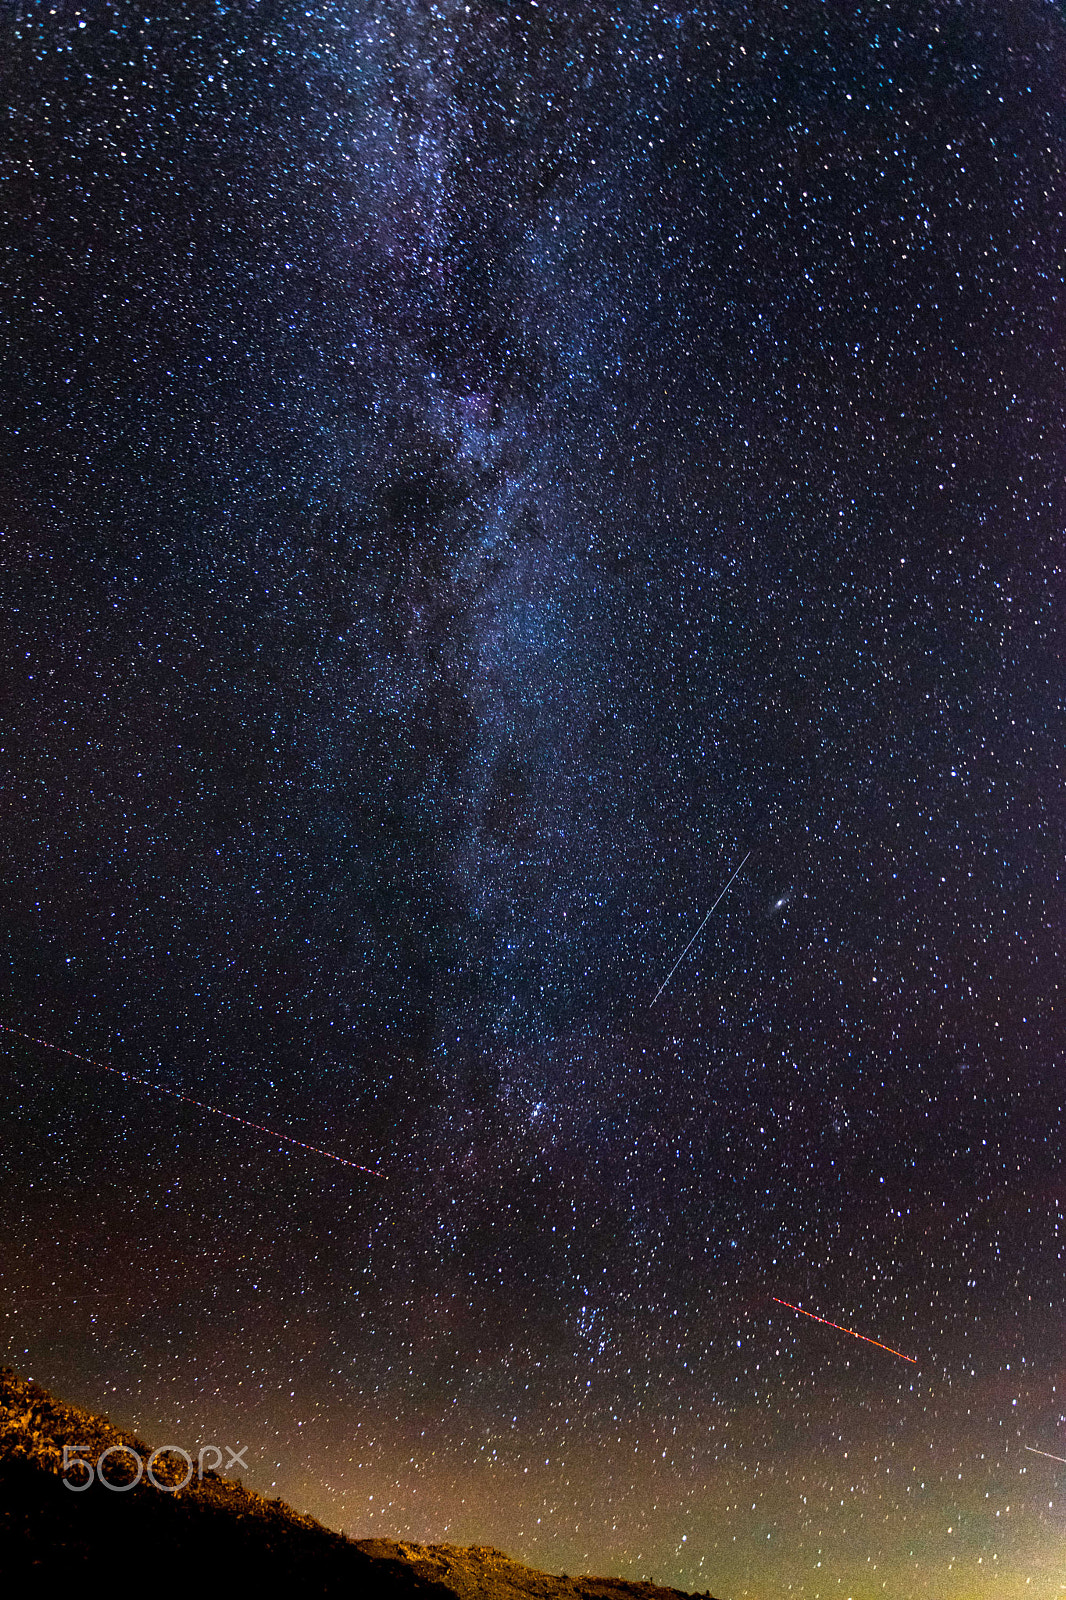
<point>216,1111</point>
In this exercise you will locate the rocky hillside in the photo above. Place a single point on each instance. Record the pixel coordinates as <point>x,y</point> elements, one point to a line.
<point>481,1573</point>
<point>215,1530</point>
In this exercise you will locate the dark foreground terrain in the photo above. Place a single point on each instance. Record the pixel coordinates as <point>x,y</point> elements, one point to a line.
<point>215,1530</point>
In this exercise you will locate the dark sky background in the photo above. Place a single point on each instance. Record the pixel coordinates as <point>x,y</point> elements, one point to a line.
<point>472,473</point>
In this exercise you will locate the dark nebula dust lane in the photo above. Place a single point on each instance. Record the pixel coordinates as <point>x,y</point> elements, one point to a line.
<point>471,473</point>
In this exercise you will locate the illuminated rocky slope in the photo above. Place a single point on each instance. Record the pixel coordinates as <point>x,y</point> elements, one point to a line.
<point>215,1529</point>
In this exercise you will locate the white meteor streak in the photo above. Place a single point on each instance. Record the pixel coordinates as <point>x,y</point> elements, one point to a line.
<point>1046,1453</point>
<point>695,936</point>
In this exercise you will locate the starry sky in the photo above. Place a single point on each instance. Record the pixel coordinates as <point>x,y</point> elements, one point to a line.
<point>473,473</point>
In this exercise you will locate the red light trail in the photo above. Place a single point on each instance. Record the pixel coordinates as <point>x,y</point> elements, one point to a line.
<point>216,1111</point>
<point>841,1329</point>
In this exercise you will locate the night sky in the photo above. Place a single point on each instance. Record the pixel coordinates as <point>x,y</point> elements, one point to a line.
<point>472,473</point>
